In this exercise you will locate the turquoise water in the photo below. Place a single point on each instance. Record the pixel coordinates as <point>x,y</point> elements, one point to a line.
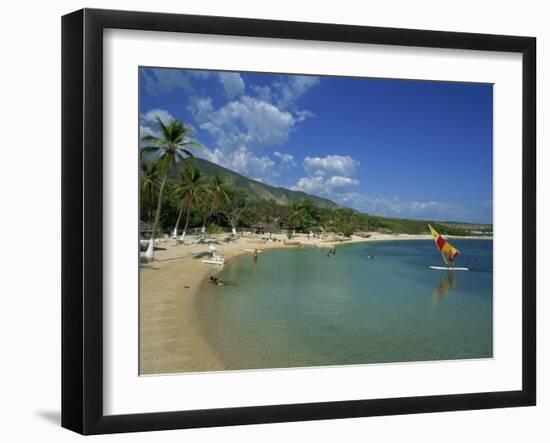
<point>298,307</point>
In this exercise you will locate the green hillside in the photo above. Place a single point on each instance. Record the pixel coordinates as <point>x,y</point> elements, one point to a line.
<point>258,190</point>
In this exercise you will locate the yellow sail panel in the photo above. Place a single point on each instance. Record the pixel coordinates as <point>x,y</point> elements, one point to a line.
<point>434,232</point>
<point>448,250</point>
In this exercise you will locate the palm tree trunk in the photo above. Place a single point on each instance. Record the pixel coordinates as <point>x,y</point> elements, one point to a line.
<point>205,218</point>
<point>150,253</point>
<point>186,222</point>
<point>204,222</point>
<point>175,232</point>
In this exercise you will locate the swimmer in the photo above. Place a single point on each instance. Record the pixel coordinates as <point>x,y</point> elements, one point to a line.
<point>215,281</point>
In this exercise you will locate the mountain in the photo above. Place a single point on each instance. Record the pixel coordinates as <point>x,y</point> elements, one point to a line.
<point>259,190</point>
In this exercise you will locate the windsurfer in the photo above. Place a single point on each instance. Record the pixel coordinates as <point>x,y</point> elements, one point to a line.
<point>448,252</point>
<point>450,260</point>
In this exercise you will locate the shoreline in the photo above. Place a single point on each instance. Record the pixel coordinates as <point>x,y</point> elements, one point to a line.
<point>171,337</point>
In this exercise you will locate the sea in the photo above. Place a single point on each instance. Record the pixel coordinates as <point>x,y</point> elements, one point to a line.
<point>372,302</point>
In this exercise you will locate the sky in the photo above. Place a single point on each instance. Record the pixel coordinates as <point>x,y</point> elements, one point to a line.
<point>398,148</point>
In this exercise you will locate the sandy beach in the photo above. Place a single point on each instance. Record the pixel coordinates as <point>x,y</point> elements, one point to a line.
<point>171,338</point>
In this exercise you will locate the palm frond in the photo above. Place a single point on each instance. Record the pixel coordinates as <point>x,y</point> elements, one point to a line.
<point>180,153</point>
<point>152,138</point>
<point>165,129</point>
<point>151,148</point>
<point>192,144</point>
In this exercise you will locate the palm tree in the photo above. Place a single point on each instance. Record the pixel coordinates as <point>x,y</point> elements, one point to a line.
<point>234,208</point>
<point>294,219</point>
<point>188,190</point>
<point>173,145</point>
<point>150,183</point>
<point>217,195</point>
<point>203,205</point>
<point>297,216</point>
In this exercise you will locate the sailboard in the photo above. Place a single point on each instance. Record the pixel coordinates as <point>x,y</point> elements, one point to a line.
<point>448,252</point>
<point>445,268</point>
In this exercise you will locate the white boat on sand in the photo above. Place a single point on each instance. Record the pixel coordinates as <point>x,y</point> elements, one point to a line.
<point>216,259</point>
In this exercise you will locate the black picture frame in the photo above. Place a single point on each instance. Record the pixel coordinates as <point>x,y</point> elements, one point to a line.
<point>82,218</point>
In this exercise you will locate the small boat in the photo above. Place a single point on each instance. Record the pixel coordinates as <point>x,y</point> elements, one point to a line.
<point>448,252</point>
<point>215,260</point>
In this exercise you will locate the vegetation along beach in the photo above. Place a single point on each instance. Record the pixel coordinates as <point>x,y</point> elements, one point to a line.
<point>255,261</point>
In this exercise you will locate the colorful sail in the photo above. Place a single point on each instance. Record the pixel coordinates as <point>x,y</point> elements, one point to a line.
<point>448,251</point>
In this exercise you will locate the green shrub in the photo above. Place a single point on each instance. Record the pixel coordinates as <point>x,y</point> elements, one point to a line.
<point>348,231</point>
<point>213,228</point>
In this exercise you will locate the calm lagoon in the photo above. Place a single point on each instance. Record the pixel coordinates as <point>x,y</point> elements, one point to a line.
<point>300,307</point>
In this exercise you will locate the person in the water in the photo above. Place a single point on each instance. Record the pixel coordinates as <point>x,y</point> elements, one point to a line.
<point>215,281</point>
<point>255,254</point>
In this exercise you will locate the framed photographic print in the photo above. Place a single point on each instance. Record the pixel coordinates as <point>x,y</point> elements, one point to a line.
<point>270,221</point>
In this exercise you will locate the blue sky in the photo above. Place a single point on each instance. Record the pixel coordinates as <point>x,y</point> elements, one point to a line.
<point>400,148</point>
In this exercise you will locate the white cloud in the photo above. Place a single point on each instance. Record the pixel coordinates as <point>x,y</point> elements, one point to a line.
<point>151,116</point>
<point>342,165</point>
<point>286,91</point>
<point>241,126</point>
<point>303,114</point>
<point>294,86</point>
<point>146,130</point>
<point>264,93</point>
<point>164,81</point>
<point>201,108</point>
<point>329,187</point>
<point>242,161</point>
<point>247,121</point>
<point>394,207</point>
<point>331,177</point>
<point>311,185</point>
<point>263,118</point>
<point>232,83</point>
<point>337,181</point>
<point>286,159</point>
<point>328,176</point>
<point>200,74</point>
